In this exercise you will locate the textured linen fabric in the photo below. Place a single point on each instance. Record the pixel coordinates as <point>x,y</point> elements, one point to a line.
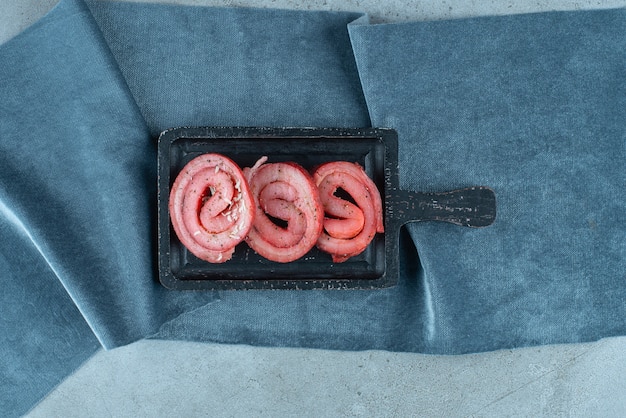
<point>530,105</point>
<point>535,107</point>
<point>76,187</point>
<point>78,169</point>
<point>43,336</point>
<point>194,66</point>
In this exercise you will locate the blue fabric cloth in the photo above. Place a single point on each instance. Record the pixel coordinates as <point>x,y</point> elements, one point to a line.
<point>532,106</point>
<point>535,107</point>
<point>43,336</point>
<point>195,66</point>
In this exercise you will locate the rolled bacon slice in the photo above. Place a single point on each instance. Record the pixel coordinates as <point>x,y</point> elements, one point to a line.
<point>211,207</point>
<point>348,227</point>
<point>286,193</point>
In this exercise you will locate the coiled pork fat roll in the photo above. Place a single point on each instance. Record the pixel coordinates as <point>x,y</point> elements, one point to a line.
<point>348,227</point>
<point>211,207</point>
<point>286,193</point>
